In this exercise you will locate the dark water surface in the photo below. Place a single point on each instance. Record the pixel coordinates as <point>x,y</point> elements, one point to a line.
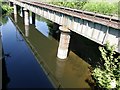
<point>42,38</point>
<point>22,67</point>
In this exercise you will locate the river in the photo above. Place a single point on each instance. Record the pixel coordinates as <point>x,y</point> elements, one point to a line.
<point>31,60</point>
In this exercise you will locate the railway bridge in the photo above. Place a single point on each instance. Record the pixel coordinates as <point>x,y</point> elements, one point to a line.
<point>96,27</point>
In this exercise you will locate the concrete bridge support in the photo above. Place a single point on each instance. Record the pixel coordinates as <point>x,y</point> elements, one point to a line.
<point>15,9</point>
<point>33,18</point>
<point>26,16</point>
<point>64,42</point>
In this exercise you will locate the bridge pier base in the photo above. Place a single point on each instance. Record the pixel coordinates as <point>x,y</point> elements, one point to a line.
<point>26,16</point>
<point>15,9</point>
<point>64,43</point>
<point>33,18</point>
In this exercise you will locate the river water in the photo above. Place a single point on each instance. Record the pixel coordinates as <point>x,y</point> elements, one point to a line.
<point>22,68</point>
<point>31,55</point>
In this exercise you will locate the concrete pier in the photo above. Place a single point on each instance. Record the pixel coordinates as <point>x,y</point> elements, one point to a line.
<point>15,8</point>
<point>33,18</point>
<point>64,42</point>
<point>26,16</point>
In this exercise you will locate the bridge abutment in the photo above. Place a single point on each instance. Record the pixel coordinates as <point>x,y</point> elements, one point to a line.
<point>64,43</point>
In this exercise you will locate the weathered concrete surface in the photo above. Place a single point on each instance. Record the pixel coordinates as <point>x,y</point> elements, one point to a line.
<point>64,43</point>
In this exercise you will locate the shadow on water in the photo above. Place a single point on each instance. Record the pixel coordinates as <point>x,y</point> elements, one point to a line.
<point>86,49</point>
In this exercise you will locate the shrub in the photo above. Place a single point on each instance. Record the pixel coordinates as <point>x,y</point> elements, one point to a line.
<point>108,76</point>
<point>6,9</point>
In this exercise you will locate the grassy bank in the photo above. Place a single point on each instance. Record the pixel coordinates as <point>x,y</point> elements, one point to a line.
<point>106,7</point>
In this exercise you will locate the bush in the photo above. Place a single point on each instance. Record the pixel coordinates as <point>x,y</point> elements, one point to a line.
<point>6,9</point>
<point>108,76</point>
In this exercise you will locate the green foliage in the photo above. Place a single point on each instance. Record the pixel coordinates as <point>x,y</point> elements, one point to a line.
<point>102,7</point>
<point>108,76</point>
<point>3,20</point>
<point>6,9</point>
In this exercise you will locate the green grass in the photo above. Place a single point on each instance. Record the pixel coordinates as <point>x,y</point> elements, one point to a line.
<point>102,7</point>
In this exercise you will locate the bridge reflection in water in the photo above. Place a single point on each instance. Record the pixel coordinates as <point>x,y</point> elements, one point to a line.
<point>71,73</point>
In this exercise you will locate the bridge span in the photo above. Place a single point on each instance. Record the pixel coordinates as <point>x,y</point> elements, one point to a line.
<point>96,27</point>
